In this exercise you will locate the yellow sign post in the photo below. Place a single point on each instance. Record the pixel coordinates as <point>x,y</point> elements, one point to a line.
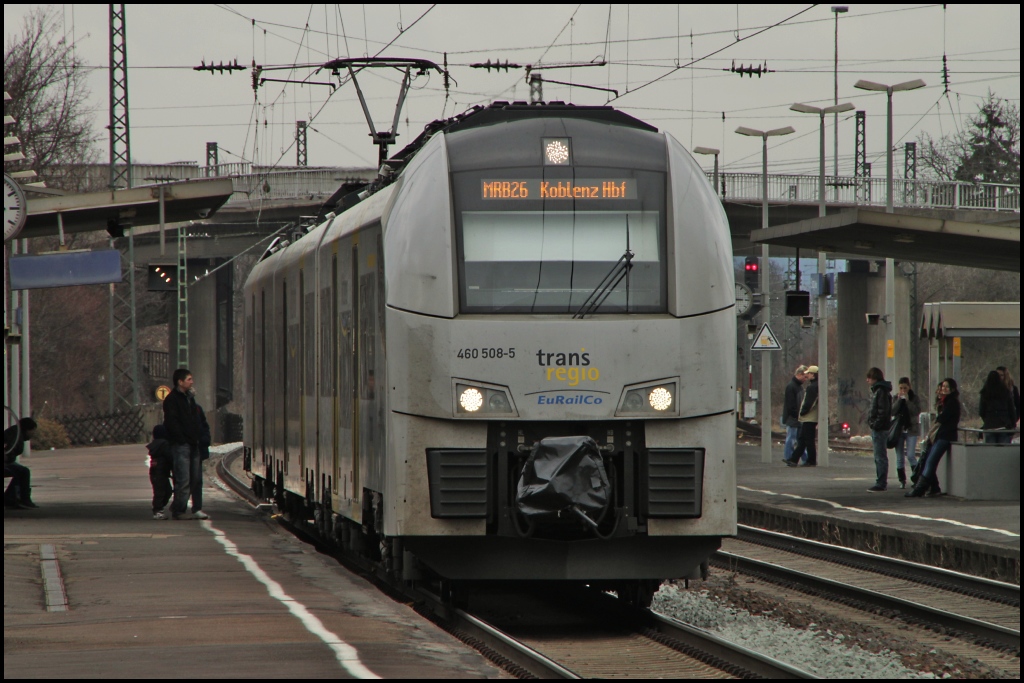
<point>162,391</point>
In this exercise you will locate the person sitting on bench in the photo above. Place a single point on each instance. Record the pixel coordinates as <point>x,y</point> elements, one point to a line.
<point>19,493</point>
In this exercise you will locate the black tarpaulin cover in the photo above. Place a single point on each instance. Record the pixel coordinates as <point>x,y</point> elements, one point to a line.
<point>563,473</point>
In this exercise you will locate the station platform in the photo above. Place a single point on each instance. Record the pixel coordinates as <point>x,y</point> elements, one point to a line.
<point>234,596</point>
<point>832,504</point>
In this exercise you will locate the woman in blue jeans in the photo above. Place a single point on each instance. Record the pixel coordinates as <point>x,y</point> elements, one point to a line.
<point>948,421</point>
<point>907,409</point>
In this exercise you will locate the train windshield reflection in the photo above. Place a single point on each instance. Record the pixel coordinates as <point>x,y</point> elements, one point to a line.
<point>549,262</point>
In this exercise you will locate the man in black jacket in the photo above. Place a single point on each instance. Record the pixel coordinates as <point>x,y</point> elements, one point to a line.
<point>790,406</point>
<point>19,494</point>
<point>183,431</point>
<point>879,418</point>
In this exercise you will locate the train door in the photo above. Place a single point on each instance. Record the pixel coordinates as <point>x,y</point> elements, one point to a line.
<point>285,377</point>
<point>345,352</point>
<point>311,440</point>
<point>372,384</point>
<point>356,342</point>
<point>301,379</point>
<point>259,385</point>
<point>329,356</point>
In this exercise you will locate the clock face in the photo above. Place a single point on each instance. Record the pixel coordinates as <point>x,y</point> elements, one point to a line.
<point>14,208</point>
<point>744,298</point>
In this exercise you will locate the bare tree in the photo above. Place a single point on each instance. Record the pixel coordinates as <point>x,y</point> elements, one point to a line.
<point>46,81</point>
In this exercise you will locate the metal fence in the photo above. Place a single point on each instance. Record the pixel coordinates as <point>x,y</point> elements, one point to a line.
<point>260,183</point>
<point>931,194</point>
<point>125,426</point>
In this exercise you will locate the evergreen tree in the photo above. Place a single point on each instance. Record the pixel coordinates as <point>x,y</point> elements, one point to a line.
<point>987,150</point>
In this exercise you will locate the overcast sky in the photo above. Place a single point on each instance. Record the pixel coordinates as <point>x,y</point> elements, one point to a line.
<point>174,110</point>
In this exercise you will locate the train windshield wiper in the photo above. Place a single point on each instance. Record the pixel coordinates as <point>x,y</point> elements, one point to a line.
<point>606,285</point>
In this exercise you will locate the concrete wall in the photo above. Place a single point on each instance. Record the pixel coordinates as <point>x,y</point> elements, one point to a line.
<point>862,346</point>
<point>975,471</point>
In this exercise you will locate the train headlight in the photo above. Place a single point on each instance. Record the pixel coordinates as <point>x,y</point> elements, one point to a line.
<point>497,403</point>
<point>634,402</point>
<point>654,399</point>
<point>660,399</point>
<point>471,399</point>
<point>476,399</point>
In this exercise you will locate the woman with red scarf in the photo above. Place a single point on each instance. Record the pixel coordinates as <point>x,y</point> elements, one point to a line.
<point>948,421</point>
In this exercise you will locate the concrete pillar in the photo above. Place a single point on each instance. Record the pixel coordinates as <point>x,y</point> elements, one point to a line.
<point>862,346</point>
<point>202,342</point>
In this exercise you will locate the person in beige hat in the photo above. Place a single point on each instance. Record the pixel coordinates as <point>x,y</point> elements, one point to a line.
<point>790,418</point>
<point>808,416</point>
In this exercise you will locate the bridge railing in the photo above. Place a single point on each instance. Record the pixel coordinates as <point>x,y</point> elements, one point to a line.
<point>310,185</point>
<point>934,194</point>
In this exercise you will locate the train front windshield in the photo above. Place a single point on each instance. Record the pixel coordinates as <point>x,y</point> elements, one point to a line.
<point>553,245</point>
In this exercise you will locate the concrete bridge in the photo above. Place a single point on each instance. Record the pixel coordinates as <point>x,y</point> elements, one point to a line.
<point>264,201</point>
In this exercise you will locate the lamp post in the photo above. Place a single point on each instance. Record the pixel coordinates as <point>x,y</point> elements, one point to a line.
<point>766,364</point>
<point>822,296</point>
<point>710,150</point>
<point>890,280</point>
<point>836,10</point>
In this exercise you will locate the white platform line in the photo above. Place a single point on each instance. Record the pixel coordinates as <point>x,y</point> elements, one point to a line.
<point>905,515</point>
<point>346,655</point>
<point>53,582</point>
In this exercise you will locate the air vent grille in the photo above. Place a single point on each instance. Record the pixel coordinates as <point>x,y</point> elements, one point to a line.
<point>675,482</point>
<point>458,482</point>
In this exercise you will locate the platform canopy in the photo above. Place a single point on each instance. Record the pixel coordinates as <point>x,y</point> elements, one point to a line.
<point>183,201</point>
<point>868,234</point>
<point>944,320</point>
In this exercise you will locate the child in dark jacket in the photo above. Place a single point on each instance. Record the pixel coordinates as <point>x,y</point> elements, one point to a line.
<point>160,470</point>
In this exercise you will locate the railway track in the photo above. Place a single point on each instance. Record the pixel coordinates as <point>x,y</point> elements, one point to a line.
<point>970,608</point>
<point>579,633</point>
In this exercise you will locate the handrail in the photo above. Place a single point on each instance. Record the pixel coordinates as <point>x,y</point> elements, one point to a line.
<point>870,191</point>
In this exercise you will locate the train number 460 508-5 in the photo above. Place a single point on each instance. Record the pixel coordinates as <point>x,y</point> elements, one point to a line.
<point>486,352</point>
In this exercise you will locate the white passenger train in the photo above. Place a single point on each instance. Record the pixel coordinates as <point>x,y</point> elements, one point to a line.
<point>531,276</point>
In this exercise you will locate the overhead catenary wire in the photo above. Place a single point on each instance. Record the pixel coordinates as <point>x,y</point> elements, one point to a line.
<point>606,42</point>
<point>752,35</point>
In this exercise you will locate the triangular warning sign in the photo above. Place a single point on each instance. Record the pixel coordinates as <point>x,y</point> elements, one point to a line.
<point>765,340</point>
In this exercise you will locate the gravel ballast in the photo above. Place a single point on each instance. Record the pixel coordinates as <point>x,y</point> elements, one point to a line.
<point>822,653</point>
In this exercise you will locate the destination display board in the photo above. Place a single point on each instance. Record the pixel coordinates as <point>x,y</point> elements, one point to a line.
<point>580,188</point>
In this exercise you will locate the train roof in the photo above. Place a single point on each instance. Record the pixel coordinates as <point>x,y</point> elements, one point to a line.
<point>476,117</point>
<point>504,112</point>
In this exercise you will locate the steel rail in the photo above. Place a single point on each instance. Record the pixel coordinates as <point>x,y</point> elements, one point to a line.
<point>496,645</point>
<point>994,633</point>
<point>469,628</point>
<point>967,584</point>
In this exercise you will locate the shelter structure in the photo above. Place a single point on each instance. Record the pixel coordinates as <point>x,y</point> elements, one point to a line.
<point>945,323</point>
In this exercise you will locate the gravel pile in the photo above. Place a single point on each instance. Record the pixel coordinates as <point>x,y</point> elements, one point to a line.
<point>820,652</point>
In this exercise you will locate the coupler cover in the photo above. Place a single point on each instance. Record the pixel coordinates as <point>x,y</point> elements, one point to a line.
<point>564,475</point>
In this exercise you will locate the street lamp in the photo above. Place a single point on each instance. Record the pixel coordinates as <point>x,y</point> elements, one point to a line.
<point>889,90</point>
<point>836,10</point>
<point>890,264</point>
<point>821,111</point>
<point>710,150</point>
<point>766,365</point>
<point>822,297</point>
